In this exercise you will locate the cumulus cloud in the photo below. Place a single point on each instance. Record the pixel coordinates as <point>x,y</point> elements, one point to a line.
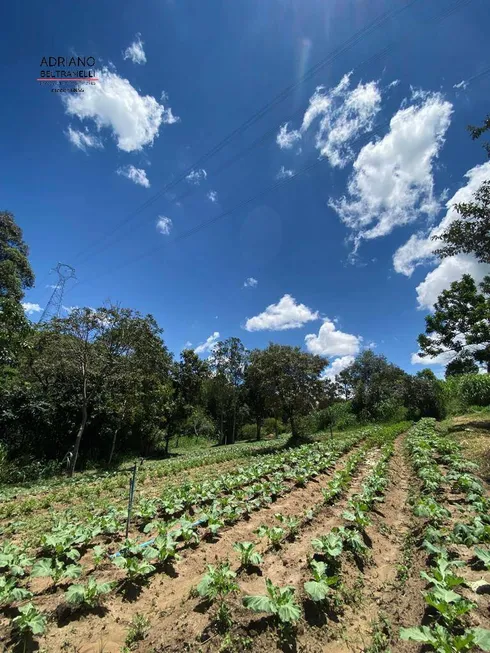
<point>250,282</point>
<point>284,173</point>
<point>286,314</point>
<point>31,308</point>
<point>83,140</point>
<point>332,342</point>
<point>135,51</point>
<point>196,176</point>
<point>114,103</point>
<point>419,248</point>
<point>212,196</point>
<point>137,175</point>
<point>343,115</point>
<point>337,366</point>
<point>208,345</point>
<point>392,180</point>
<point>164,225</point>
<point>449,270</point>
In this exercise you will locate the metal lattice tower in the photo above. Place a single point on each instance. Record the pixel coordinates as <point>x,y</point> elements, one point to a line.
<point>53,307</point>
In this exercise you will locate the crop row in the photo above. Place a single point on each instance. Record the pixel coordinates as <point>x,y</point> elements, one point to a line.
<point>60,548</point>
<point>325,586</point>
<point>441,469</point>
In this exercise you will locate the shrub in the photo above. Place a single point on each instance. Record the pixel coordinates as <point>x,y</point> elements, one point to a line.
<point>474,390</point>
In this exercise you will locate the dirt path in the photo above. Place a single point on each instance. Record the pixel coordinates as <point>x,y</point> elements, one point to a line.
<point>163,598</point>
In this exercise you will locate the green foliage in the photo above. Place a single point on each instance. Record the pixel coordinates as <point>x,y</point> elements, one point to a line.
<point>461,319</point>
<point>249,557</point>
<point>138,630</point>
<point>279,601</point>
<point>443,641</point>
<point>10,592</point>
<point>474,390</point>
<point>88,594</point>
<point>319,588</point>
<point>55,569</point>
<point>217,582</point>
<point>30,620</point>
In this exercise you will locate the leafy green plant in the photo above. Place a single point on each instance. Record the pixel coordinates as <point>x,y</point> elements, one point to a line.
<point>138,630</point>
<point>290,523</point>
<point>56,569</point>
<point>484,556</point>
<point>99,553</point>
<point>10,592</point>
<point>275,534</point>
<point>443,641</point>
<point>352,541</point>
<point>14,560</point>
<point>279,601</point>
<point>163,549</point>
<point>217,582</point>
<point>29,622</point>
<point>319,588</point>
<point>186,532</point>
<point>88,594</point>
<point>357,514</point>
<point>450,605</point>
<point>330,546</point>
<point>249,557</point>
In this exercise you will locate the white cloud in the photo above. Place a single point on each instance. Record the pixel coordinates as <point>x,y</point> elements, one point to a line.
<point>135,51</point>
<point>114,103</point>
<point>208,345</point>
<point>344,114</point>
<point>449,270</point>
<point>284,173</point>
<point>332,342</point>
<point>138,175</point>
<point>187,345</point>
<point>394,83</point>
<point>83,140</point>
<point>441,359</point>
<point>285,138</point>
<point>196,176</point>
<point>212,196</point>
<point>31,308</point>
<point>337,366</point>
<point>286,314</point>
<point>392,181</point>
<point>418,250</point>
<point>164,225</point>
<point>250,282</point>
<point>462,84</point>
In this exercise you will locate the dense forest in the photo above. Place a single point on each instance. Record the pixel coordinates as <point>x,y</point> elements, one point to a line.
<point>99,384</point>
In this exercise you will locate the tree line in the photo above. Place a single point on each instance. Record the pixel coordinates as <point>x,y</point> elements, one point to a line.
<point>98,384</point>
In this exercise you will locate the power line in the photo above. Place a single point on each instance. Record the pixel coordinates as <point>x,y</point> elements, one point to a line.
<point>279,183</point>
<point>353,40</point>
<point>100,246</point>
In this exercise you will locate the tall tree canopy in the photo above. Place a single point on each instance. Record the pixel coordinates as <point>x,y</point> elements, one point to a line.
<point>471,233</point>
<point>16,275</point>
<point>460,322</point>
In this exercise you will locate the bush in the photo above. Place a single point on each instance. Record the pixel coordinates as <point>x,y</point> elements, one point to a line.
<point>474,390</point>
<point>269,426</point>
<point>248,432</point>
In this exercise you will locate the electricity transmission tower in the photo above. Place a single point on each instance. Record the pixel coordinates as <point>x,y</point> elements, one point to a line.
<point>53,307</point>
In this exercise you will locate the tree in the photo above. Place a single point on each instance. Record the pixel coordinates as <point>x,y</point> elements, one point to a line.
<point>291,380</point>
<point>460,322</point>
<point>463,364</point>
<point>16,275</point>
<point>256,390</point>
<point>229,361</point>
<point>424,395</point>
<point>376,386</point>
<point>471,234</point>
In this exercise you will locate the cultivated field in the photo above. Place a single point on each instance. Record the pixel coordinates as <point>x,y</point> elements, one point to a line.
<point>373,540</point>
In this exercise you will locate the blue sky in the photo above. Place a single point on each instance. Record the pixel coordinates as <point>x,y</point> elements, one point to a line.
<point>371,149</point>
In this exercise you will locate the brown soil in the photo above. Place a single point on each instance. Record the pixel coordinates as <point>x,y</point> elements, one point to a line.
<point>166,597</point>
